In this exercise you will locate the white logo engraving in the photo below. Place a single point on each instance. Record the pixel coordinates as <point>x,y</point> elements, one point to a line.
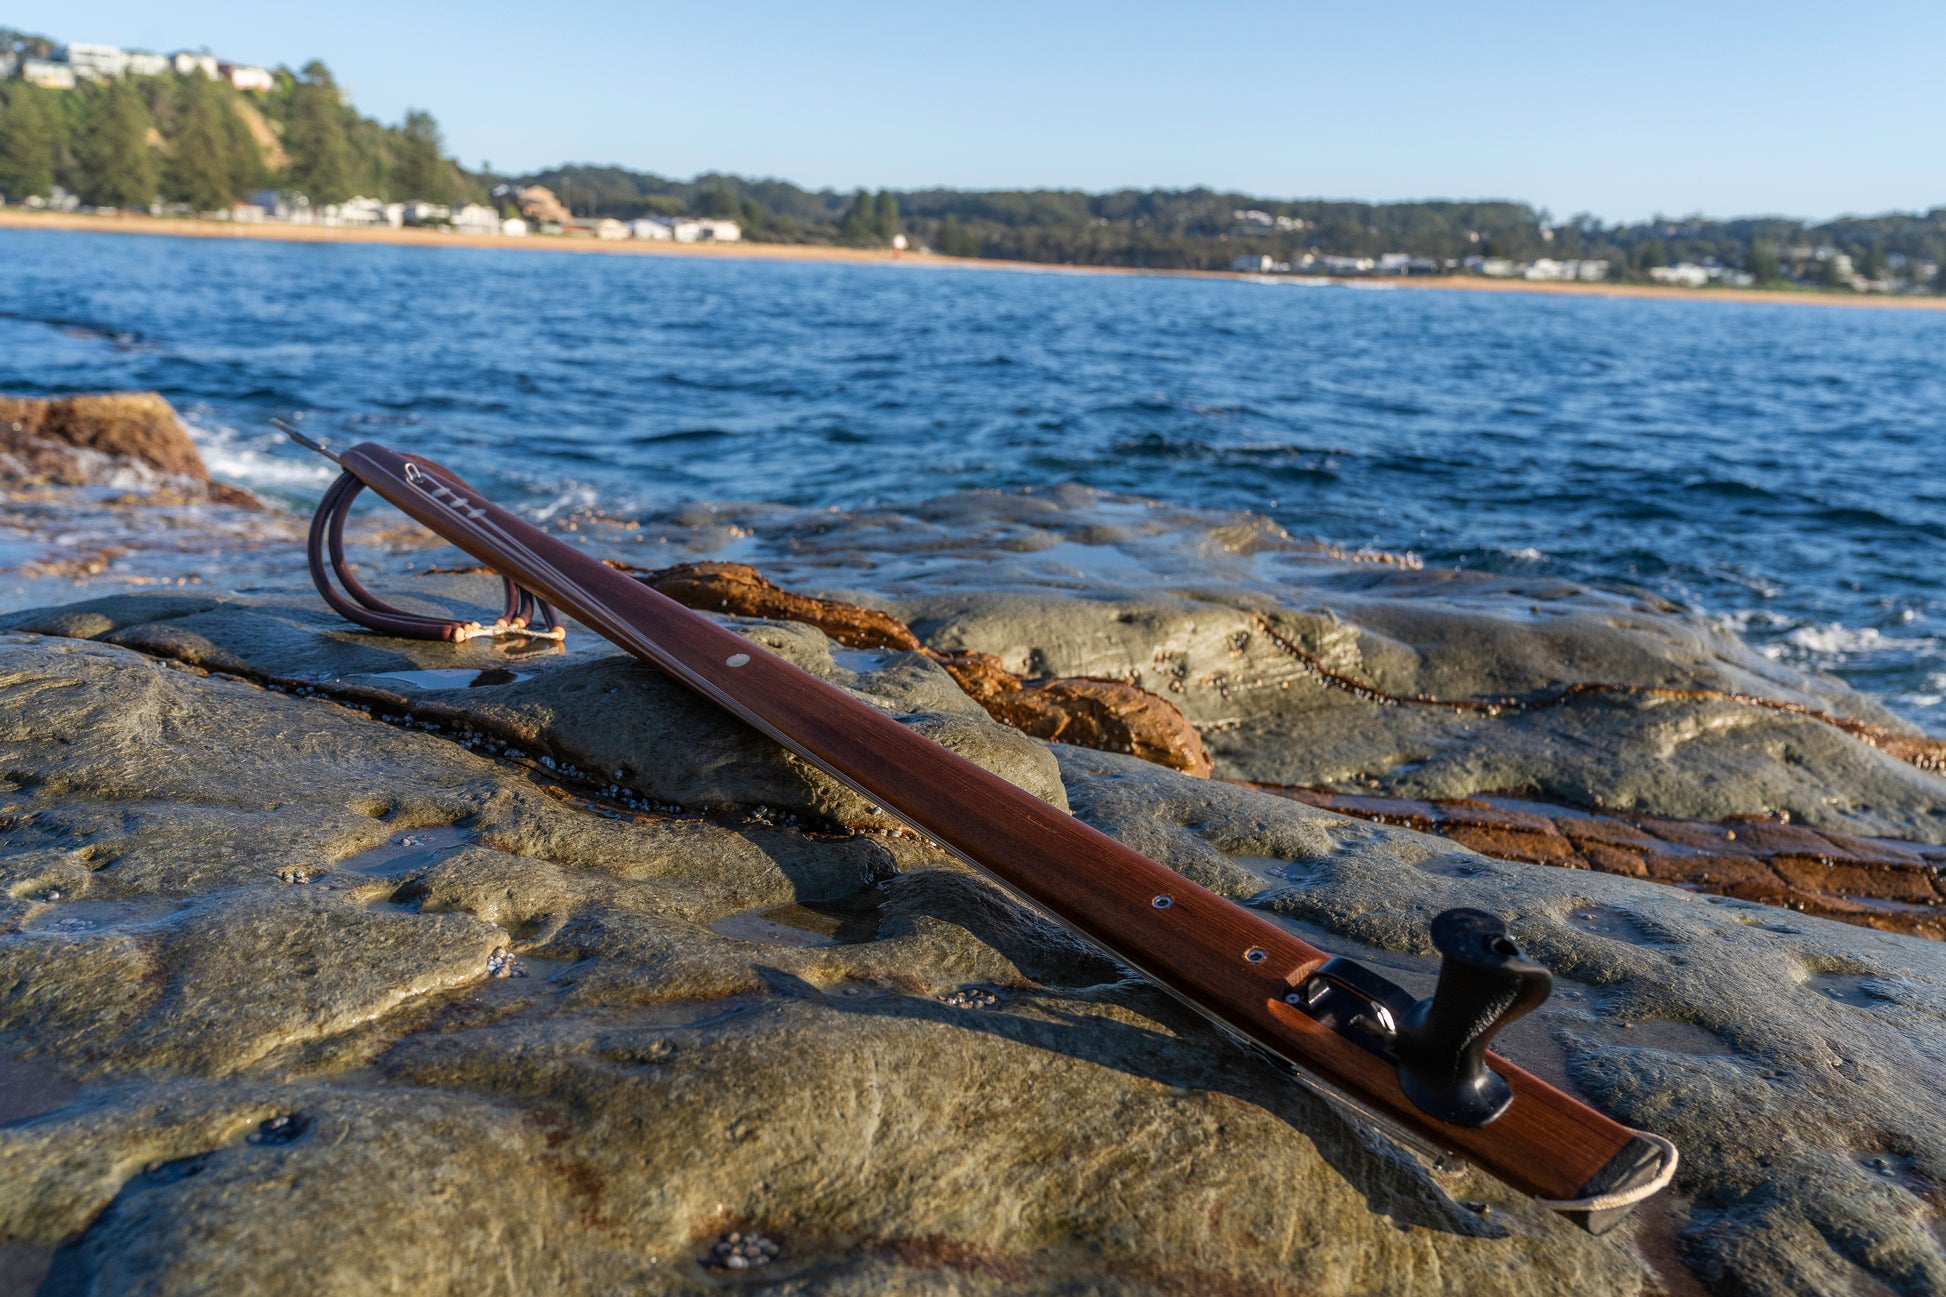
<point>441,492</point>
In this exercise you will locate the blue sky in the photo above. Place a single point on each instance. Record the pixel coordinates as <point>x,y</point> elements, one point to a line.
<point>1626,111</point>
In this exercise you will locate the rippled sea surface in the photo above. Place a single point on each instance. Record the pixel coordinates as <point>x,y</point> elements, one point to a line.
<point>1777,466</point>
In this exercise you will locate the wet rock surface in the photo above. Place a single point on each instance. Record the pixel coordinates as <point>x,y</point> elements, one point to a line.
<point>278,946</point>
<point>1688,723</point>
<point>595,714</point>
<point>518,968</point>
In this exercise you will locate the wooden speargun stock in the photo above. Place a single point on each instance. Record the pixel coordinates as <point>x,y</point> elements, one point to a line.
<point>1418,1066</point>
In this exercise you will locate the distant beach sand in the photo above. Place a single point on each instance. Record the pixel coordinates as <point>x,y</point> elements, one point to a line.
<point>12,218</point>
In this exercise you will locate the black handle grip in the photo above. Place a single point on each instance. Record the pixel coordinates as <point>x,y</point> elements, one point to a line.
<point>1484,984</point>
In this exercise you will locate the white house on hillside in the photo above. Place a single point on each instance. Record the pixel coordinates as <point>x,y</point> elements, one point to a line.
<point>185,62</point>
<point>648,229</point>
<point>245,77</point>
<point>141,63</point>
<point>97,62</point>
<point>47,74</point>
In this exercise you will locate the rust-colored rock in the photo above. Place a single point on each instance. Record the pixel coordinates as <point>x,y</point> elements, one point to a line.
<point>108,439</point>
<point>1872,882</point>
<point>741,590</point>
<point>1109,715</point>
<point>1105,714</point>
<point>141,426</point>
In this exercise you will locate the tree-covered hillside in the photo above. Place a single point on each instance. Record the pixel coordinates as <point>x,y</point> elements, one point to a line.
<point>198,142</point>
<point>1207,229</point>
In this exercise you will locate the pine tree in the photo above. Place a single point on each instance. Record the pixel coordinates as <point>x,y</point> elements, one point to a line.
<point>885,216</point>
<point>26,143</point>
<point>315,138</point>
<point>201,170</point>
<point>859,219</point>
<point>1872,264</point>
<point>418,171</point>
<point>116,167</point>
<point>955,241</point>
<point>1762,263</point>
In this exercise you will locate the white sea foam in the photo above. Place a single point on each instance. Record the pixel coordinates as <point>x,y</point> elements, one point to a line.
<point>571,497</point>
<point>252,460</point>
<point>1742,620</point>
<point>1836,640</point>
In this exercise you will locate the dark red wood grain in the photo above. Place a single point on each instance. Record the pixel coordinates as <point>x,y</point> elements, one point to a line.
<point>1547,1144</point>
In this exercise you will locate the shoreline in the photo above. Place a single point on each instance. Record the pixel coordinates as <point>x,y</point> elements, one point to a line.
<point>193,228</point>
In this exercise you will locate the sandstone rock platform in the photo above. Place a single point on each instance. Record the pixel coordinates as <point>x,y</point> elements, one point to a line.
<point>449,968</point>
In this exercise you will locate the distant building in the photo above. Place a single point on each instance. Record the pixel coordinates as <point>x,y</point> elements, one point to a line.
<point>649,228</point>
<point>47,74</point>
<point>143,64</point>
<point>595,227</point>
<point>538,204</point>
<point>1546,269</point>
<point>358,211</point>
<point>514,228</point>
<point>246,77</point>
<point>59,200</point>
<point>1261,264</point>
<point>187,63</point>
<point>1346,265</point>
<point>9,64</point>
<point>425,213</point>
<point>475,219</point>
<point>701,229</point>
<point>1494,267</point>
<point>1683,274</point>
<point>284,205</point>
<point>96,62</point>
<point>1394,263</point>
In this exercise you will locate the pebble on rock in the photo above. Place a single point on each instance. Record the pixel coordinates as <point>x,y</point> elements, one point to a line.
<point>741,1250</point>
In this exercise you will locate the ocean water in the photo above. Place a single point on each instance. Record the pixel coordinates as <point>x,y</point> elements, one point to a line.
<point>1774,466</point>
